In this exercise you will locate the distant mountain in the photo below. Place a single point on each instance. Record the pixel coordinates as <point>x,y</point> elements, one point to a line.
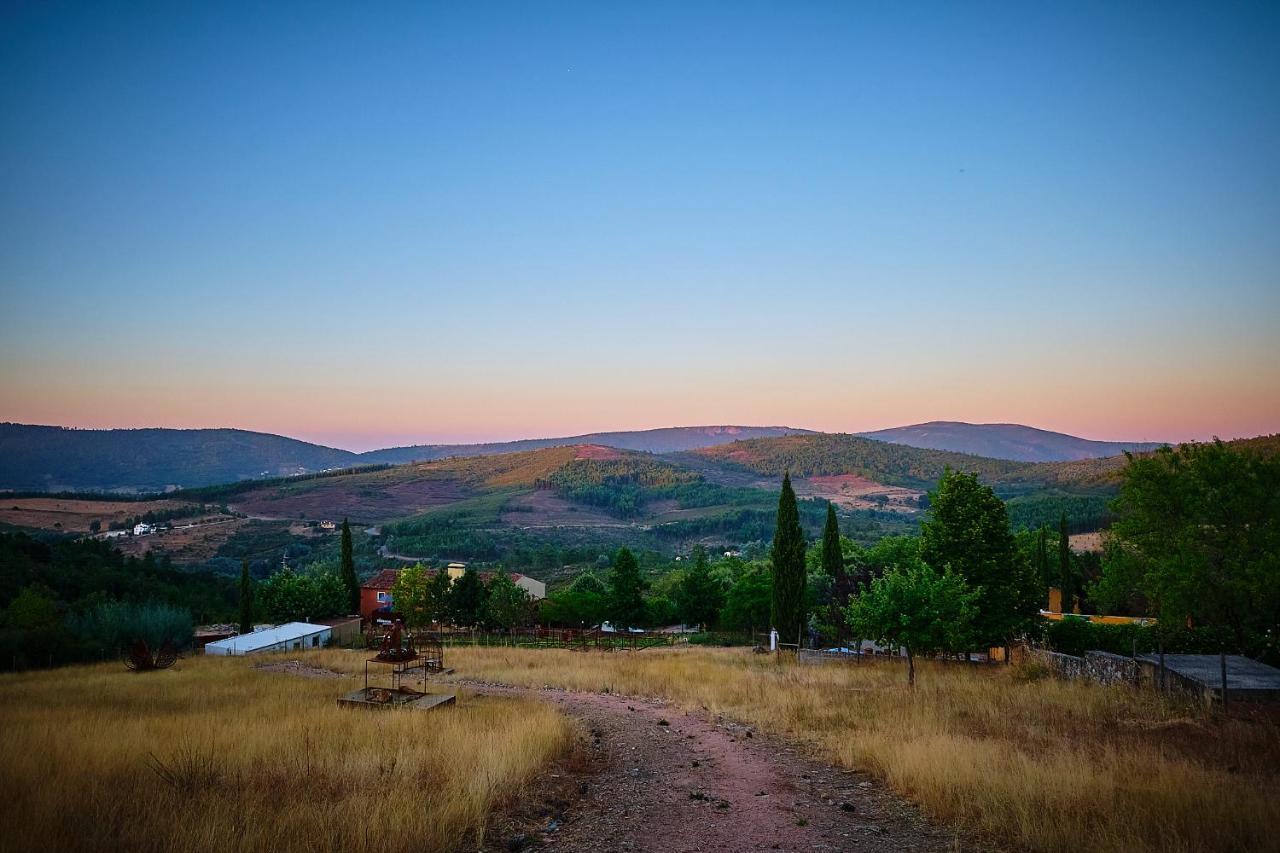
<point>664,440</point>
<point>50,458</point>
<point>1006,441</point>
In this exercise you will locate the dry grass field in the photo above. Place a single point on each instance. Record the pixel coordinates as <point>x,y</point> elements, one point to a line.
<point>1035,762</point>
<point>213,755</point>
<point>74,516</point>
<point>216,755</point>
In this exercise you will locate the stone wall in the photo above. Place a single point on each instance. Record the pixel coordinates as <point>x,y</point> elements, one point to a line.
<point>1106,668</point>
<point>1102,667</point>
<point>1065,666</point>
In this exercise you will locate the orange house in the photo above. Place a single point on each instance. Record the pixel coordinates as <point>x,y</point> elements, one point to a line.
<point>375,593</point>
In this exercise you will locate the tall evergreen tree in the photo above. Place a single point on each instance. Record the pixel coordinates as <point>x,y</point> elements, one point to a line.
<point>626,591</point>
<point>349,579</point>
<point>1065,576</point>
<point>833,565</point>
<point>246,598</point>
<point>788,567</point>
<point>968,532</point>
<point>832,556</point>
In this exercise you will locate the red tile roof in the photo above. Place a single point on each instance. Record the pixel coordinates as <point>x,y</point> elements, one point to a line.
<point>384,579</point>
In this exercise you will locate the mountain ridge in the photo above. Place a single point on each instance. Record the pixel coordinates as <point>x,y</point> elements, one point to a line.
<point>1016,442</point>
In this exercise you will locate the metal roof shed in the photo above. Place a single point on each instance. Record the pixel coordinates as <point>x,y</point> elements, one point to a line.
<point>291,636</point>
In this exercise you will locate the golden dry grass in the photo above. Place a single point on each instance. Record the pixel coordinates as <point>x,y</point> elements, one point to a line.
<point>213,755</point>
<point>1045,764</point>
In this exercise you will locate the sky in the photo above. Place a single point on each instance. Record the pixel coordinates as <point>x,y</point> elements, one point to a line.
<point>377,224</point>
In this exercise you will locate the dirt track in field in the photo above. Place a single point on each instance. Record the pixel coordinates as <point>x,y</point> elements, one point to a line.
<point>661,779</point>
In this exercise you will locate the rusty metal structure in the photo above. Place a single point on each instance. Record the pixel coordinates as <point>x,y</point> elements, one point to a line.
<point>139,657</point>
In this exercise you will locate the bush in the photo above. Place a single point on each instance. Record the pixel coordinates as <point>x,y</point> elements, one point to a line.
<point>111,625</point>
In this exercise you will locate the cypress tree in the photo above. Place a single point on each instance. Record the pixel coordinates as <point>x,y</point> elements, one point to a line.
<point>788,567</point>
<point>349,579</point>
<point>1064,567</point>
<point>246,598</point>
<point>1042,558</point>
<point>626,591</point>
<point>832,557</point>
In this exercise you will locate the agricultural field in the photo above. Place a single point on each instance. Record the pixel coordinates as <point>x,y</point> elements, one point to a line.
<point>75,516</point>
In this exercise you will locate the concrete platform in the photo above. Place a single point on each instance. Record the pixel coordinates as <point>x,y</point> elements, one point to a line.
<point>1246,678</point>
<point>381,698</point>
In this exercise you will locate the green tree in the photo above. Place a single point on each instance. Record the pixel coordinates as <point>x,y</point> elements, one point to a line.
<point>918,608</point>
<point>748,603</point>
<point>1041,558</point>
<point>968,532</point>
<point>832,553</point>
<point>699,596</point>
<point>626,591</point>
<point>246,598</point>
<point>349,579</point>
<point>1197,533</point>
<point>575,608</point>
<point>788,567</point>
<point>411,594</point>
<point>508,605</point>
<point>34,608</point>
<point>1066,577</point>
<point>467,599</point>
<point>316,593</point>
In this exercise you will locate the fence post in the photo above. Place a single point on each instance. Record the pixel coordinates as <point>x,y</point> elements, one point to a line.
<point>1222,661</point>
<point>1162,684</point>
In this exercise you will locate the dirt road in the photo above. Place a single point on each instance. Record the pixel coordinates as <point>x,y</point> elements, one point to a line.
<point>664,780</point>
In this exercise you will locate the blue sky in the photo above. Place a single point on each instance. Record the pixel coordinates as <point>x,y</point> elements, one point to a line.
<point>370,225</point>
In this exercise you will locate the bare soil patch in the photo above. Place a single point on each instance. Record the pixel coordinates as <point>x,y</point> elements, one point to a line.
<point>336,498</point>
<point>1085,542</point>
<point>74,516</point>
<point>595,451</point>
<point>190,541</point>
<point>543,508</point>
<point>297,667</point>
<point>661,779</point>
<point>856,492</point>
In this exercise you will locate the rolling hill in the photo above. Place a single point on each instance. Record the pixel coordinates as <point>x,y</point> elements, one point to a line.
<point>50,458</point>
<point>1005,441</point>
<point>664,440</point>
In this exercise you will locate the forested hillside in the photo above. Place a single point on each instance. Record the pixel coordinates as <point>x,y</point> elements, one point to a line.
<point>1005,441</point>
<point>49,458</point>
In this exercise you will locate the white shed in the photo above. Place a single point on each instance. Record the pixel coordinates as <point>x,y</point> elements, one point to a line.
<point>293,636</point>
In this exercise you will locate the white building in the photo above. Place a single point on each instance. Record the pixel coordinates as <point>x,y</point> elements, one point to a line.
<point>293,636</point>
<point>142,529</point>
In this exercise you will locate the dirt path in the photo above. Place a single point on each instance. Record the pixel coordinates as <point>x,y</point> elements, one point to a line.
<point>665,780</point>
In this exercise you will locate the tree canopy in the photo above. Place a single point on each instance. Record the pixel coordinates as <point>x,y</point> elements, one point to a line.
<point>917,607</point>
<point>626,608</point>
<point>1197,532</point>
<point>967,531</point>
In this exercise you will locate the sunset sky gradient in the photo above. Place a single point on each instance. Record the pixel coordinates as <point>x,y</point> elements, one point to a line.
<point>384,224</point>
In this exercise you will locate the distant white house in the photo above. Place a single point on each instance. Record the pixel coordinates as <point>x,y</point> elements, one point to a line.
<point>327,525</point>
<point>141,529</point>
<point>293,636</point>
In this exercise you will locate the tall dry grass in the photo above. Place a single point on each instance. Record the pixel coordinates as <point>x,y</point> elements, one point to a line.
<point>213,755</point>
<point>1051,765</point>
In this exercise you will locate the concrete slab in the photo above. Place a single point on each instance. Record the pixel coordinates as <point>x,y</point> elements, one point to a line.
<point>1242,673</point>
